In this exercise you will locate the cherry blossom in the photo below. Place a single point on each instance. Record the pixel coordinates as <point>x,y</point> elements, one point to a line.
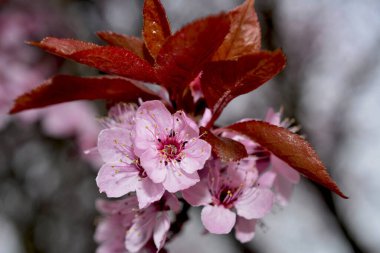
<point>169,147</point>
<point>230,187</point>
<point>122,172</point>
<point>126,228</point>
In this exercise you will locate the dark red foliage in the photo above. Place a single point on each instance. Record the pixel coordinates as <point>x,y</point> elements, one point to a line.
<point>244,36</point>
<point>222,81</point>
<point>226,51</point>
<point>184,54</point>
<point>289,147</point>
<point>109,59</point>
<point>156,26</point>
<point>225,149</point>
<point>133,44</point>
<point>63,88</point>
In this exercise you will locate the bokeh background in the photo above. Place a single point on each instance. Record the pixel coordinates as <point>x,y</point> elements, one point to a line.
<point>331,86</point>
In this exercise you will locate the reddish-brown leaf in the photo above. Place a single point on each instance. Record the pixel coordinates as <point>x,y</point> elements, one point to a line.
<point>222,81</point>
<point>63,88</point>
<point>134,44</point>
<point>244,36</point>
<point>226,149</point>
<point>109,59</point>
<point>116,60</point>
<point>184,54</point>
<point>63,47</point>
<point>289,147</point>
<point>156,26</point>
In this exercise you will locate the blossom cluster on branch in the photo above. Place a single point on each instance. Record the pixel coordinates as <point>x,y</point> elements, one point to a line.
<point>160,145</point>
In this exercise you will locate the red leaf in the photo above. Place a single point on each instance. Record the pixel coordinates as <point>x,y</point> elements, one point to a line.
<point>116,60</point>
<point>289,147</point>
<point>226,149</point>
<point>244,36</point>
<point>184,54</point>
<point>156,26</point>
<point>109,59</point>
<point>63,88</point>
<point>222,81</point>
<point>134,44</point>
<point>63,47</point>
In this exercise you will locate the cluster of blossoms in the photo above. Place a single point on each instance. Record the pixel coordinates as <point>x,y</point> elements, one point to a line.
<point>160,146</point>
<point>155,154</point>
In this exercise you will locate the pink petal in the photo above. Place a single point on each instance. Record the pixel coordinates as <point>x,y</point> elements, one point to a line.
<point>156,114</point>
<point>117,179</point>
<point>148,192</point>
<point>266,180</point>
<point>285,170</point>
<point>197,152</point>
<point>273,117</point>
<point>140,232</point>
<point>207,115</point>
<point>153,165</point>
<point>145,136</point>
<point>172,202</point>
<point>185,127</point>
<point>161,230</point>
<point>122,206</point>
<point>177,180</point>
<point>255,203</point>
<point>197,195</point>
<point>284,190</point>
<point>217,219</point>
<point>115,144</point>
<point>245,229</point>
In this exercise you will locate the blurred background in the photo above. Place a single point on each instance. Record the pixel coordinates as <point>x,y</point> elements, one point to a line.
<point>331,86</point>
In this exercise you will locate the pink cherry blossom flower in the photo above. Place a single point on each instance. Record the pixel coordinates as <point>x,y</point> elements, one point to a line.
<point>274,172</point>
<point>230,187</point>
<point>125,228</point>
<point>118,217</point>
<point>169,147</point>
<point>122,172</point>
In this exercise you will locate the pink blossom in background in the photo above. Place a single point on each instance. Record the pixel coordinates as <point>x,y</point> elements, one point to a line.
<point>168,146</point>
<point>23,67</point>
<point>274,172</point>
<point>226,188</point>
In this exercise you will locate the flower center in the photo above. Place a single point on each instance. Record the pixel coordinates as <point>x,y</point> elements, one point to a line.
<point>226,195</point>
<point>170,150</point>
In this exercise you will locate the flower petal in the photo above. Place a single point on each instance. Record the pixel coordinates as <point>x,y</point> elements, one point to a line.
<point>140,232</point>
<point>177,179</point>
<point>285,170</point>
<point>148,192</point>
<point>161,230</point>
<point>196,153</point>
<point>172,202</point>
<point>283,189</point>
<point>197,195</point>
<point>217,219</point>
<point>153,165</point>
<point>254,203</point>
<point>245,229</point>
<point>156,113</point>
<point>115,145</point>
<point>116,179</point>
<point>266,180</point>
